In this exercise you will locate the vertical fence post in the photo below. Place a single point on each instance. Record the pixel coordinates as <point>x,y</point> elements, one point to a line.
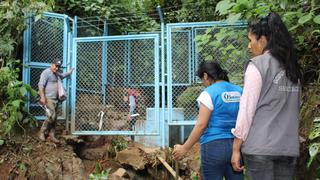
<point>74,74</point>
<point>104,64</point>
<point>26,53</point>
<point>163,80</point>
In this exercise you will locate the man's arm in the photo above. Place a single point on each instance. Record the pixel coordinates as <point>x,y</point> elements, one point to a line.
<point>41,86</point>
<point>42,96</point>
<point>65,74</point>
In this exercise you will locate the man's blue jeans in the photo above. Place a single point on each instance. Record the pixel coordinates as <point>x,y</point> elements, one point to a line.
<point>259,167</point>
<point>216,161</point>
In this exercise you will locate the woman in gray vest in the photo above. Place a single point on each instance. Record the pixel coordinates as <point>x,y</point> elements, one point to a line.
<point>267,122</point>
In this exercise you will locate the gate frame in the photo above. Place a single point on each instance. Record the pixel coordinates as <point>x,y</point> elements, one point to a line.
<point>169,30</point>
<point>69,60</point>
<point>27,61</point>
<point>156,82</point>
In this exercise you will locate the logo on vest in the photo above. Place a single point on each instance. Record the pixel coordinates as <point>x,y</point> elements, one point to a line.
<point>229,97</point>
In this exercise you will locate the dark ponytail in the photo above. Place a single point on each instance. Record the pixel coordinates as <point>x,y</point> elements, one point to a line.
<point>214,71</point>
<point>280,43</point>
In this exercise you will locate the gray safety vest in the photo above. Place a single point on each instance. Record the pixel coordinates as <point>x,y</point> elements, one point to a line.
<point>274,129</point>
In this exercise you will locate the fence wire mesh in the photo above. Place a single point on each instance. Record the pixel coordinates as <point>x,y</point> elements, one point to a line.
<point>47,39</point>
<point>115,85</point>
<point>187,53</point>
<point>46,44</point>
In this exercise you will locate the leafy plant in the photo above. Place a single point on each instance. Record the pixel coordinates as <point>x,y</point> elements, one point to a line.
<point>99,174</point>
<point>13,95</point>
<point>13,91</point>
<point>123,15</point>
<point>227,46</point>
<point>12,22</point>
<point>118,143</point>
<point>188,97</point>
<point>303,21</point>
<point>314,148</point>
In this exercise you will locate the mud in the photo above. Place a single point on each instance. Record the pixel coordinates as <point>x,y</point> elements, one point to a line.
<point>25,157</point>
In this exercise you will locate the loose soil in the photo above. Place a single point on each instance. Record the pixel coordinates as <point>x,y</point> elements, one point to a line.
<point>75,158</point>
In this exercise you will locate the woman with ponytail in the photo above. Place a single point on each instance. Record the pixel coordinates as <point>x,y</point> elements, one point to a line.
<point>267,124</point>
<point>218,109</point>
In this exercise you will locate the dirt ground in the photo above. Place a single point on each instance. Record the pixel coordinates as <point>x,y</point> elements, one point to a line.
<point>75,158</point>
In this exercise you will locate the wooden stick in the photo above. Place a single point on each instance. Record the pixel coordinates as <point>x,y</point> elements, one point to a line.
<point>177,170</point>
<point>172,172</point>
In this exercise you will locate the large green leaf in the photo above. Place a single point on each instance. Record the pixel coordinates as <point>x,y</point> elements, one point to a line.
<point>313,151</point>
<point>16,103</point>
<point>315,133</point>
<point>305,18</point>
<point>23,90</point>
<point>223,6</point>
<point>233,18</point>
<point>317,19</point>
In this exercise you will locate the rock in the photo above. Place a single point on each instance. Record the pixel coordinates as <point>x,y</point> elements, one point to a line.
<point>120,172</point>
<point>132,156</point>
<point>115,177</point>
<point>95,153</point>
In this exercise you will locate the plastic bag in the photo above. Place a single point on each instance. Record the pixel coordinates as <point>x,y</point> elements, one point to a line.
<point>62,93</point>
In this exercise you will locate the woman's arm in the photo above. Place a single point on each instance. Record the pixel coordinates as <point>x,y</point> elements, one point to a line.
<point>248,103</point>
<point>202,122</point>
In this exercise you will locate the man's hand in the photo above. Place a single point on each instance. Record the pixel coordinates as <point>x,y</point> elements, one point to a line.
<point>42,101</point>
<point>179,151</point>
<point>71,70</point>
<point>235,161</point>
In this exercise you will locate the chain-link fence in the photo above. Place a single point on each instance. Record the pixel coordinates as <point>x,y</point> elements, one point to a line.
<point>187,50</point>
<point>115,88</point>
<point>44,41</point>
<point>117,82</point>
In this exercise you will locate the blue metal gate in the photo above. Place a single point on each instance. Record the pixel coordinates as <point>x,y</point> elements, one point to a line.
<point>183,57</point>
<point>45,40</point>
<point>115,88</point>
<point>110,71</point>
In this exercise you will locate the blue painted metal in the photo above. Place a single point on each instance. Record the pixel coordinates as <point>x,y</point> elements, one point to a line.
<point>166,115</point>
<point>164,135</point>
<point>128,62</point>
<point>74,74</point>
<point>104,64</point>
<point>26,53</point>
<point>155,38</point>
<point>111,38</point>
<point>55,15</point>
<point>73,83</point>
<point>176,27</point>
<point>31,63</point>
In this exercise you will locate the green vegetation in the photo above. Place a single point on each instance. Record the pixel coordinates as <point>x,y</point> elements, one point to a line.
<point>99,173</point>
<point>301,16</point>
<point>303,20</point>
<point>12,90</point>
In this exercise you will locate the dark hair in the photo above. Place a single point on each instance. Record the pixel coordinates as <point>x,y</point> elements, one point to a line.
<point>280,43</point>
<point>213,69</point>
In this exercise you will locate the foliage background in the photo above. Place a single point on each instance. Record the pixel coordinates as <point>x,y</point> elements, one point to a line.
<point>301,16</point>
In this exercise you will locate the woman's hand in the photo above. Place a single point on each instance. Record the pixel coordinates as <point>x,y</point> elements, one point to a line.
<point>235,161</point>
<point>179,151</point>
